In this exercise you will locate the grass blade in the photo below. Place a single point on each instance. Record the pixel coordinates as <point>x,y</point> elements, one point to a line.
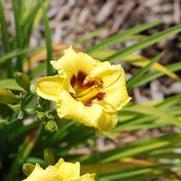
<point>89,36</point>
<point>120,37</point>
<point>27,23</point>
<point>145,145</point>
<point>138,76</point>
<point>5,37</point>
<point>138,174</point>
<point>48,41</point>
<point>144,43</point>
<point>16,10</point>
<point>6,57</point>
<point>142,61</point>
<point>155,111</point>
<point>153,75</point>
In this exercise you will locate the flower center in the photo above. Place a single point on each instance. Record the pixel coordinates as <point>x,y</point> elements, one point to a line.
<point>86,90</point>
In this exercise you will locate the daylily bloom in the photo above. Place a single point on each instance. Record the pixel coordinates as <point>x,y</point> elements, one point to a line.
<point>86,90</point>
<point>61,171</point>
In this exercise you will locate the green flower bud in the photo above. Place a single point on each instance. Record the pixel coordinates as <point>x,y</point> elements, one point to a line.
<point>41,115</point>
<point>16,108</point>
<point>51,126</point>
<point>7,97</point>
<point>22,80</point>
<point>49,156</point>
<point>28,168</point>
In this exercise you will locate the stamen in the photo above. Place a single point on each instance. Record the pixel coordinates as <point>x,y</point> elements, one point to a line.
<point>86,90</point>
<point>100,96</point>
<point>88,95</point>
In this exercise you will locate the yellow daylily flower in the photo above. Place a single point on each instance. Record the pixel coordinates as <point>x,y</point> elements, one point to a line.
<point>61,171</point>
<point>86,90</point>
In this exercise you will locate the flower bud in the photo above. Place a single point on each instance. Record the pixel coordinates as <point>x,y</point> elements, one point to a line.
<point>16,107</point>
<point>28,168</point>
<point>51,126</point>
<point>41,115</point>
<point>49,157</point>
<point>7,97</point>
<point>22,80</point>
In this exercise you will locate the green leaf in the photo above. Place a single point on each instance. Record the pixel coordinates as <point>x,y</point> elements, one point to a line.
<point>3,122</point>
<point>155,111</point>
<point>170,101</point>
<point>138,174</point>
<point>18,37</point>
<point>27,23</point>
<point>138,76</point>
<point>4,29</point>
<point>138,148</point>
<point>12,54</point>
<point>154,75</point>
<point>48,41</point>
<point>120,37</point>
<point>89,36</point>
<point>144,43</point>
<point>142,61</point>
<point>37,70</point>
<point>5,37</point>
<point>24,150</point>
<point>32,14</point>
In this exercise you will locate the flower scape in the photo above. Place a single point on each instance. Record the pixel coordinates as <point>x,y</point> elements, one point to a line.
<point>86,90</point>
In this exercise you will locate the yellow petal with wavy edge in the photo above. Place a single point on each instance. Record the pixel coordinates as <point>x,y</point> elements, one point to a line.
<point>39,174</point>
<point>107,121</point>
<point>71,63</point>
<point>86,177</point>
<point>114,85</point>
<point>69,108</point>
<point>67,170</point>
<point>61,171</point>
<point>49,87</point>
<point>86,90</point>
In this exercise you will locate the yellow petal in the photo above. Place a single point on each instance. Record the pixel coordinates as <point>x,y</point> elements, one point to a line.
<point>61,171</point>
<point>107,121</point>
<point>67,170</point>
<point>83,80</point>
<point>106,72</point>
<point>70,108</point>
<point>114,84</point>
<point>72,63</point>
<point>40,174</point>
<point>49,87</point>
<point>86,177</point>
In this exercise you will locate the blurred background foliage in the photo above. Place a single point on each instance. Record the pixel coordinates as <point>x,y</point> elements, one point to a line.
<point>145,145</point>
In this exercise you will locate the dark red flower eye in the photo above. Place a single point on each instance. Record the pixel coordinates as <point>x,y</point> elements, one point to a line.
<point>73,80</point>
<point>100,96</point>
<point>81,77</point>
